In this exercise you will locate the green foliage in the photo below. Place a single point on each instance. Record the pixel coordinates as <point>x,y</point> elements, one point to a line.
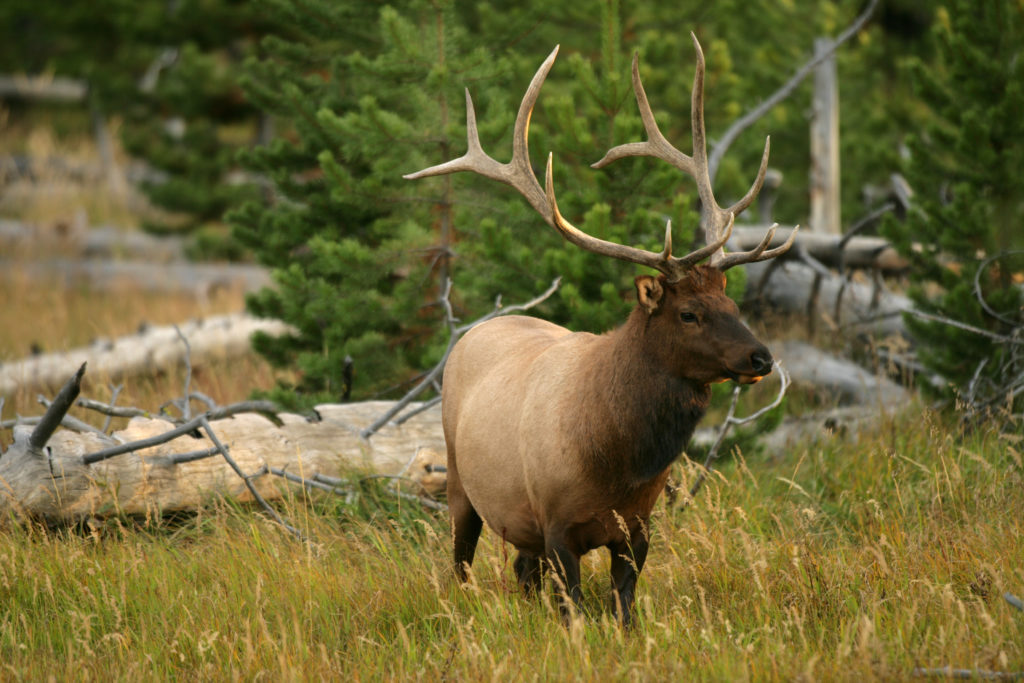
<point>966,165</point>
<point>359,255</point>
<point>355,113</point>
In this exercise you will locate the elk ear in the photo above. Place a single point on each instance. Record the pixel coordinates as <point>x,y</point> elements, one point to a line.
<point>649,292</point>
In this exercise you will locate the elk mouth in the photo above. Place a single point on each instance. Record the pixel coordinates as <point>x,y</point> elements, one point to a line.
<point>745,377</point>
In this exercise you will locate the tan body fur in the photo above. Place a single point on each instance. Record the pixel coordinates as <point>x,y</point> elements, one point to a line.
<point>561,442</point>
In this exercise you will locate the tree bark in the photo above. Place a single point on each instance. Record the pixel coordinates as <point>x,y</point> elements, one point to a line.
<point>54,483</point>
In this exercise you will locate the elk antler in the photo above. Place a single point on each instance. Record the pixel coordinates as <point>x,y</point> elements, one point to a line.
<point>519,174</point>
<point>715,220</point>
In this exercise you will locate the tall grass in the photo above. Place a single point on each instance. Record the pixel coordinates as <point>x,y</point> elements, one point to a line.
<point>852,561</point>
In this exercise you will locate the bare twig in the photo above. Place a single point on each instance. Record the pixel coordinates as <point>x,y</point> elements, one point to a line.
<point>427,405</point>
<point>111,410</point>
<point>730,421</point>
<point>186,410</point>
<point>115,391</point>
<point>1002,339</point>
<point>1014,600</point>
<point>267,408</point>
<point>748,119</point>
<point>169,435</point>
<point>454,333</point>
<point>247,478</point>
<point>983,674</point>
<point>977,287</point>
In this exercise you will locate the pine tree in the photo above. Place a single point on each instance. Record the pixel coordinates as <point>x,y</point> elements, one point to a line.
<point>967,167</point>
<point>189,118</point>
<point>359,255</point>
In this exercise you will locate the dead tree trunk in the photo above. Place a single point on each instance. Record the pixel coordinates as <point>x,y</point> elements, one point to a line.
<point>825,143</point>
<point>150,350</point>
<point>69,477</point>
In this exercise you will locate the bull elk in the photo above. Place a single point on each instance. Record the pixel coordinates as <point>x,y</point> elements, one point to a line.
<point>562,441</point>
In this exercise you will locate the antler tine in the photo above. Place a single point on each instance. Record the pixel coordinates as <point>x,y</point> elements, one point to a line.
<point>716,221</point>
<point>758,253</point>
<point>755,189</point>
<point>662,262</point>
<point>673,267</point>
<point>695,257</point>
<point>518,173</point>
<point>656,145</point>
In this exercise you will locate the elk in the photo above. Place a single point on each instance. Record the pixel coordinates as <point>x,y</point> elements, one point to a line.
<point>562,441</point>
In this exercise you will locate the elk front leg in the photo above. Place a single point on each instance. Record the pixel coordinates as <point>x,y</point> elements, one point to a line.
<point>565,571</point>
<point>627,561</point>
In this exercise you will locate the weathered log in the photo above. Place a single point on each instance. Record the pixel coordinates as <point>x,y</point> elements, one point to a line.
<point>56,484</point>
<point>202,280</point>
<point>862,307</point>
<point>830,250</point>
<point>150,350</point>
<point>74,238</point>
<point>837,379</point>
<point>53,88</point>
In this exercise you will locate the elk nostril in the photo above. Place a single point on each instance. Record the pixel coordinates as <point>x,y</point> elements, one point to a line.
<point>761,361</point>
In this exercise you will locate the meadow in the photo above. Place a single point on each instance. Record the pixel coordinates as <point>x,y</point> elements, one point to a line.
<point>846,561</point>
<point>866,560</point>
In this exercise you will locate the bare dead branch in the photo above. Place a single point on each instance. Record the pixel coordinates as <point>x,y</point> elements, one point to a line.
<point>1002,339</point>
<point>1014,600</point>
<point>115,391</point>
<point>730,421</point>
<point>427,405</point>
<point>748,119</point>
<point>186,411</point>
<point>977,287</point>
<point>57,411</point>
<point>169,435</point>
<point>454,333</point>
<point>247,478</point>
<point>112,411</point>
<point>983,674</point>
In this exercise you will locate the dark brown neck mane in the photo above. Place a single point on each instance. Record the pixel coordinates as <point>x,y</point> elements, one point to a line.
<point>641,417</point>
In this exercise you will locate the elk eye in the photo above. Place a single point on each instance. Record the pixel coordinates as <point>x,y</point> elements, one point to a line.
<point>688,317</point>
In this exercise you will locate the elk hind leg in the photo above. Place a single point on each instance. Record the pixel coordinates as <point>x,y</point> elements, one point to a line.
<point>528,572</point>
<point>466,523</point>
<point>564,564</point>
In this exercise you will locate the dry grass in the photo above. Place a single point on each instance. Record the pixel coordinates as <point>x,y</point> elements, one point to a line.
<point>61,144</point>
<point>852,562</point>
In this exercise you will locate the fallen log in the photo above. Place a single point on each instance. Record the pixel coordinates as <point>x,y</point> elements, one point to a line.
<point>73,476</point>
<point>201,280</point>
<point>843,303</point>
<point>834,251</point>
<point>152,349</point>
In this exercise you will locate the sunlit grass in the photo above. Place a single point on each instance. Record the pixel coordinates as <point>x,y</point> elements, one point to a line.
<point>855,561</point>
